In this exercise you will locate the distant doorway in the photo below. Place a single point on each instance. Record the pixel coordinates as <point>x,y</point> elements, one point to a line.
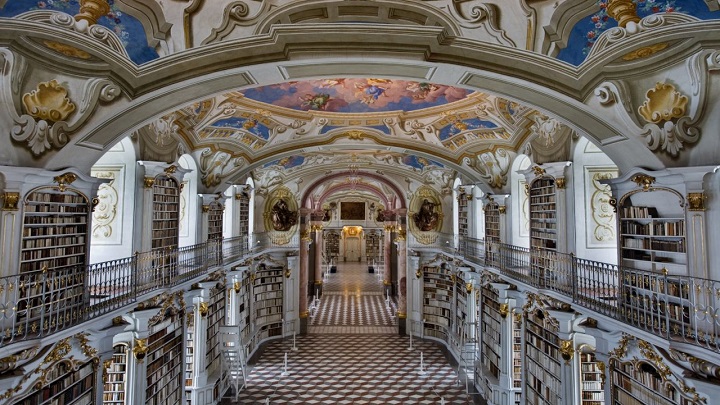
<point>352,236</point>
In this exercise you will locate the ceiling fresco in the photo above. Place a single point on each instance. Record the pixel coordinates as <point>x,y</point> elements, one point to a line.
<point>457,126</point>
<point>356,95</point>
<point>413,161</point>
<point>126,27</point>
<point>587,30</point>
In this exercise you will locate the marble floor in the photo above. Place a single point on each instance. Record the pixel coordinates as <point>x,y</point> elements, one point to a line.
<point>353,354</point>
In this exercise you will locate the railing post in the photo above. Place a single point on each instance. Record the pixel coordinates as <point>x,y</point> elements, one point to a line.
<point>574,275</point>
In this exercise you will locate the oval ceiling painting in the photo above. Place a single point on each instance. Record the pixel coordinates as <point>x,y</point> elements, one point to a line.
<point>356,95</point>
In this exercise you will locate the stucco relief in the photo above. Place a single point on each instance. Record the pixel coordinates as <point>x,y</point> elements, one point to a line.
<point>601,230</point>
<point>105,229</point>
<point>493,167</point>
<point>524,208</point>
<point>217,165</point>
<point>184,219</point>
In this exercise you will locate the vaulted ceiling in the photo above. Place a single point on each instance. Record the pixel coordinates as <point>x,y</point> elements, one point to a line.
<point>413,92</point>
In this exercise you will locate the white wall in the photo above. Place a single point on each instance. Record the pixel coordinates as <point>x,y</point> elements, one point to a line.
<point>520,209</point>
<point>189,207</point>
<point>112,223</point>
<point>595,220</point>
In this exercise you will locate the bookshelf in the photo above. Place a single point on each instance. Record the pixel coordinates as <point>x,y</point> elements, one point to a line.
<point>639,383</point>
<point>215,319</point>
<point>517,355</point>
<point>492,222</point>
<point>437,301</point>
<point>542,360</point>
<point>244,310</point>
<point>651,239</point>
<point>114,387</point>
<point>491,335</point>
<point>463,208</point>
<point>166,212</point>
<point>268,301</point>
<point>543,226</point>
<point>372,246</point>
<point>215,220</point>
<point>592,391</point>
<point>66,385</point>
<point>332,245</point>
<point>164,358</point>
<point>54,241</point>
<point>244,214</point>
<point>189,352</point>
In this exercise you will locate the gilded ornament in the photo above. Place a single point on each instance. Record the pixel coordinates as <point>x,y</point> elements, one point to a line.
<point>288,273</point>
<point>236,287</point>
<point>502,209</point>
<point>48,102</point>
<point>401,315</point>
<point>170,169</point>
<point>205,208</point>
<point>539,171</point>
<point>468,287</point>
<point>623,11</point>
<point>560,182</point>
<point>645,51</point>
<point>10,200</point>
<point>316,228</point>
<point>148,182</point>
<point>643,181</point>
<point>304,314</point>
<point>504,310</point>
<point>355,135</point>
<point>67,50</point>
<point>663,103</point>
<point>418,273</point>
<point>401,235</point>
<point>87,350</point>
<point>92,10</point>
<point>566,349</point>
<point>601,367</point>
<point>140,349</point>
<point>387,283</point>
<point>64,180</point>
<point>696,201</point>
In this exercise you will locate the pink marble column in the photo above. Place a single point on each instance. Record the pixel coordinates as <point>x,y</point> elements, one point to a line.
<point>304,267</point>
<point>317,227</point>
<point>401,264</point>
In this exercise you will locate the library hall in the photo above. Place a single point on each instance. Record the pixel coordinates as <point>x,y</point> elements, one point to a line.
<point>491,202</point>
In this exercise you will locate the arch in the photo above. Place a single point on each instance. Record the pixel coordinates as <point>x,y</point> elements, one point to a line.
<point>398,193</point>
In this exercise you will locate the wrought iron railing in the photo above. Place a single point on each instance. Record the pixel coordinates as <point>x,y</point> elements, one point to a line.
<point>678,308</point>
<point>40,303</point>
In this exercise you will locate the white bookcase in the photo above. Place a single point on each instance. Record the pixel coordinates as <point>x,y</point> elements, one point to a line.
<point>116,376</point>
<point>542,360</point>
<point>437,302</point>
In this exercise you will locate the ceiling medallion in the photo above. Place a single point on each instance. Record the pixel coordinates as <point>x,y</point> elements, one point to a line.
<point>67,50</point>
<point>646,51</point>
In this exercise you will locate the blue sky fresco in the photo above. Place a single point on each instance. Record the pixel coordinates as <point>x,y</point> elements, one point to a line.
<point>587,30</point>
<point>457,127</point>
<point>244,124</point>
<point>288,162</point>
<point>356,95</point>
<point>128,28</point>
<point>420,162</point>
<point>382,128</point>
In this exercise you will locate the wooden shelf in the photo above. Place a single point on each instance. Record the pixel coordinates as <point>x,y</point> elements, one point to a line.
<point>114,389</point>
<point>542,360</point>
<point>215,221</point>
<point>166,213</point>
<point>492,222</point>
<point>641,384</point>
<point>268,301</point>
<point>592,391</point>
<point>164,359</point>
<point>65,386</point>
<point>491,336</point>
<point>437,302</point>
<point>215,319</point>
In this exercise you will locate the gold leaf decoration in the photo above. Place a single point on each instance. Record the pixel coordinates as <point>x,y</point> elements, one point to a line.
<point>48,102</point>
<point>645,51</point>
<point>663,103</point>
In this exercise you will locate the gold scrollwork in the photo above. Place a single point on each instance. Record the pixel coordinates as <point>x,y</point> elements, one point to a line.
<point>539,171</point>
<point>560,182</point>
<point>566,349</point>
<point>468,287</point>
<point>48,102</point>
<point>67,50</point>
<point>11,200</point>
<point>502,209</point>
<point>644,181</point>
<point>401,234</point>
<point>205,208</point>
<point>316,228</point>
<point>504,310</point>
<point>204,308</point>
<point>170,169</point>
<point>663,103</point>
<point>601,367</point>
<point>418,273</point>
<point>645,51</point>
<point>288,273</point>
<point>64,180</point>
<point>696,201</point>
<point>140,349</point>
<point>236,287</point>
<point>148,181</point>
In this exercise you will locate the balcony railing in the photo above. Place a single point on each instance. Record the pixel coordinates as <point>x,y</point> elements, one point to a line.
<point>678,308</point>
<point>40,303</point>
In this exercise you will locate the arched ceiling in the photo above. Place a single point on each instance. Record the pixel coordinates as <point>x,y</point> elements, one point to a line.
<point>420,92</point>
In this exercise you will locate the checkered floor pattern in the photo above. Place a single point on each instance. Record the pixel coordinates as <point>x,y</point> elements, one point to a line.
<point>352,369</point>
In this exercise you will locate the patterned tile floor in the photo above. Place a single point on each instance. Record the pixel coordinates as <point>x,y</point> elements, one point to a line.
<point>352,355</point>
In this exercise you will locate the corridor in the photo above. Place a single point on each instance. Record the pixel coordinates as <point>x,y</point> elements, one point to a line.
<point>353,354</point>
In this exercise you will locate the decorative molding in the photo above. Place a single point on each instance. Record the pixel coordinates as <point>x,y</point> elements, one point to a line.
<point>663,103</point>
<point>492,167</point>
<point>502,209</point>
<point>623,11</point>
<point>205,209</point>
<point>108,203</point>
<point>560,183</point>
<point>645,52</point>
<point>64,180</point>
<point>600,222</point>
<point>504,310</point>
<point>10,200</point>
<point>644,181</point>
<point>539,171</point>
<point>48,102</point>
<point>203,308</point>
<point>66,49</point>
<point>92,10</point>
<point>566,350</point>
<point>140,349</point>
<point>148,182</point>
<point>696,201</point>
